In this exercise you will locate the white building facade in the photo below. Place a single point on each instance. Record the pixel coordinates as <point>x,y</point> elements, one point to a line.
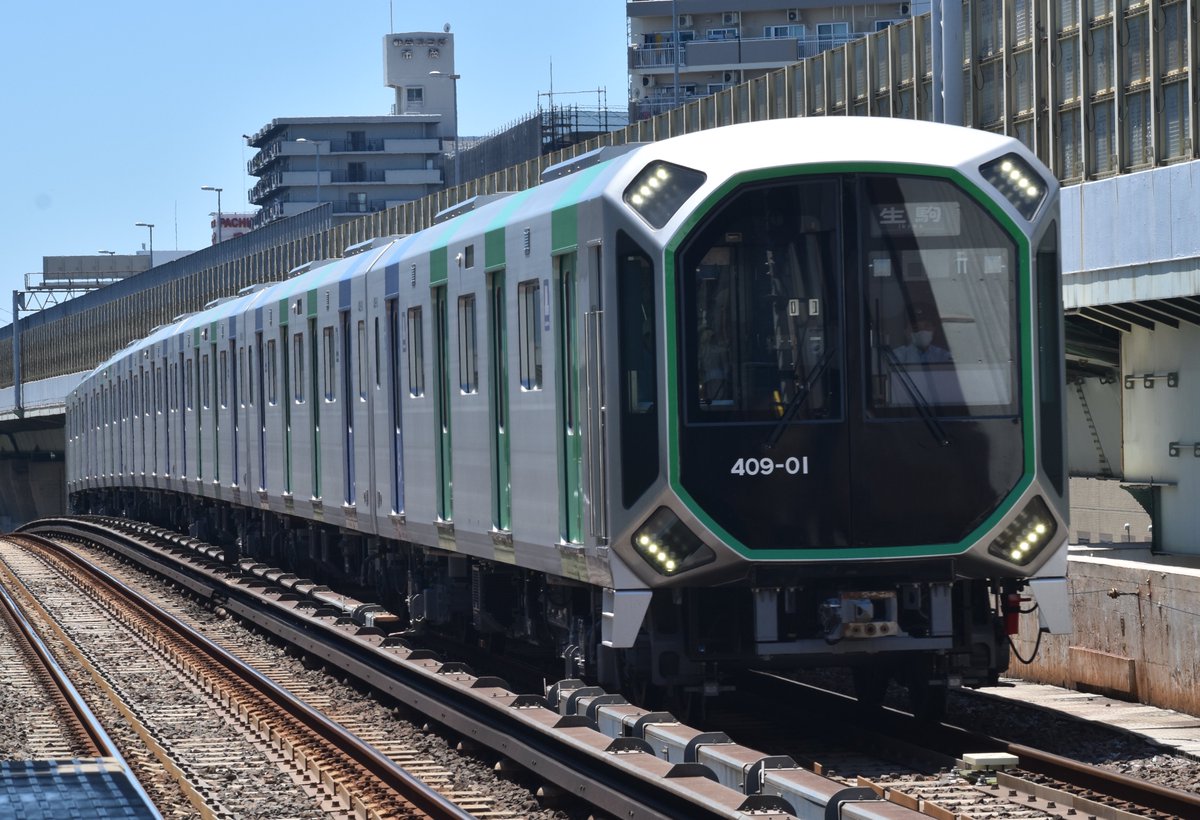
<point>361,165</point>
<point>683,50</point>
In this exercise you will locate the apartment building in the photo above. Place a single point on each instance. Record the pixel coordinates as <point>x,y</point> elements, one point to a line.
<point>682,50</point>
<point>365,164</point>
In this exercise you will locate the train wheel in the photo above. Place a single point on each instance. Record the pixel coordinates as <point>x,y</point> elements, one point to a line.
<point>870,685</point>
<point>928,701</point>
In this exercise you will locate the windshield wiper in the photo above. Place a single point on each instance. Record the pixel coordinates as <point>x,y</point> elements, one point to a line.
<point>924,409</point>
<point>798,398</point>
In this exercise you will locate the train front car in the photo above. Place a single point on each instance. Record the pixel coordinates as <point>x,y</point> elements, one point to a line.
<point>861,458</point>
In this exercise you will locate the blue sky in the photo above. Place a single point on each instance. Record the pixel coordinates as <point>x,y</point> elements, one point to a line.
<point>117,112</point>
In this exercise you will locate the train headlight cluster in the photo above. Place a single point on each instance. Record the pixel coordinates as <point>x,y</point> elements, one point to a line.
<point>1020,184</point>
<point>658,191</point>
<point>666,544</point>
<point>1026,536</point>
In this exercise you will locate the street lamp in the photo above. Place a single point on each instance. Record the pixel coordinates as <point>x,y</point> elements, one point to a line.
<point>453,78</point>
<point>149,225</point>
<point>317,147</point>
<point>218,190</point>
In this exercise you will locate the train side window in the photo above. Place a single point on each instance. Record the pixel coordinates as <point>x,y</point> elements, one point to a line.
<point>637,356</point>
<point>246,356</point>
<point>205,397</point>
<point>1050,356</point>
<point>272,373</point>
<point>362,360</point>
<point>529,331</point>
<point>327,344</point>
<point>224,380</point>
<point>298,367</point>
<point>468,353</point>
<point>378,381</point>
<point>187,387</point>
<point>416,353</point>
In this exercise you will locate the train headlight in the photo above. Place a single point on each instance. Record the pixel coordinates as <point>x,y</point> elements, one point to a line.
<point>667,545</point>
<point>1027,535</point>
<point>1020,184</point>
<point>658,191</point>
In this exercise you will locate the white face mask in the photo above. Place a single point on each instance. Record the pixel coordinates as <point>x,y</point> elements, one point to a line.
<point>922,338</point>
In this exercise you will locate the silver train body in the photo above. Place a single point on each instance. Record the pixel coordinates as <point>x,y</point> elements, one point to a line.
<point>653,415</point>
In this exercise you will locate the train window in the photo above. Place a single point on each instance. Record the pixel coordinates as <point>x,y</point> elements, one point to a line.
<point>298,368</point>
<point>416,353</point>
<point>639,369</point>
<point>224,379</point>
<point>188,390</point>
<point>939,279</point>
<point>760,290</point>
<point>246,383</point>
<point>272,373</point>
<point>468,352</point>
<point>1050,356</point>
<point>529,330</point>
<point>205,397</point>
<point>378,382</point>
<point>330,383</point>
<point>362,360</point>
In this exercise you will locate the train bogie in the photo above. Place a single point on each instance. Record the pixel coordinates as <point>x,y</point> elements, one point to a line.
<point>679,409</point>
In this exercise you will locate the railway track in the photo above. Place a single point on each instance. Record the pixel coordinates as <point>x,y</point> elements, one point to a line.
<point>1036,783</point>
<point>47,713</point>
<point>643,741</point>
<point>204,715</point>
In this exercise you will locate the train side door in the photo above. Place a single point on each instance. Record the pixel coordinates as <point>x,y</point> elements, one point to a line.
<point>352,362</point>
<point>498,401</point>
<point>395,398</point>
<point>442,433</point>
<point>570,472</point>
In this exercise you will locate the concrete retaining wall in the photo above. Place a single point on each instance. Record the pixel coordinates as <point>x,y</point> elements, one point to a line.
<point>1136,630</point>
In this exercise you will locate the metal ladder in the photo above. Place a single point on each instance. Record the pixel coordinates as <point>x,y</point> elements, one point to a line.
<point>1105,469</point>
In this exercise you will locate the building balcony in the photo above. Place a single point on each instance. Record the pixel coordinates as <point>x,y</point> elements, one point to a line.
<point>412,146</point>
<point>413,176</point>
<point>358,206</point>
<point>265,186</point>
<point>700,55</point>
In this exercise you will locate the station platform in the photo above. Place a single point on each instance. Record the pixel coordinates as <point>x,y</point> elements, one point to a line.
<point>1172,730</point>
<point>58,789</point>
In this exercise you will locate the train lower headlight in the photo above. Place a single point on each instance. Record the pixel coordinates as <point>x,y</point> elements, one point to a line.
<point>667,545</point>
<point>1016,179</point>
<point>1027,535</point>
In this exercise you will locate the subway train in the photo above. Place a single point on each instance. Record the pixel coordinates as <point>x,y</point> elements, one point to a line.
<point>776,395</point>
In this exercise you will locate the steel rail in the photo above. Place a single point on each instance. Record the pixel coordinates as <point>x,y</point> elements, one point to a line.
<point>102,744</point>
<point>561,750</point>
<point>423,797</point>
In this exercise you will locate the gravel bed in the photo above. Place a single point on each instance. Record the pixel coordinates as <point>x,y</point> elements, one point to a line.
<point>352,705</point>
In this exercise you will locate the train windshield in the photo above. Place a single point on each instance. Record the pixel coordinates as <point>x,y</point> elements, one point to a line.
<point>766,302</point>
<point>761,285</point>
<point>939,280</point>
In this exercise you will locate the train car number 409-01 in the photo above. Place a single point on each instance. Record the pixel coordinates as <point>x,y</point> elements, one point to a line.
<point>766,466</point>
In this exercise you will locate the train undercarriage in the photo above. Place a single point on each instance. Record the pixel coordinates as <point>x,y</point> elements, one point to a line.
<point>692,643</point>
